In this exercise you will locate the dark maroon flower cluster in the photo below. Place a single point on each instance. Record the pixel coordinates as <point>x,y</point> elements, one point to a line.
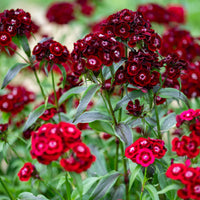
<point>14,22</point>
<point>95,50</point>
<point>144,151</point>
<point>189,176</point>
<point>181,42</point>
<point>135,109</point>
<point>159,14</point>
<point>131,26</point>
<point>60,12</point>
<point>51,51</point>
<point>51,141</point>
<point>86,7</point>
<point>26,172</point>
<point>3,128</point>
<point>188,145</point>
<point>142,68</point>
<point>190,80</point>
<point>16,99</point>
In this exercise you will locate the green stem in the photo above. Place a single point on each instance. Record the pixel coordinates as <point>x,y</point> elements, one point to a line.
<point>38,81</point>
<point>150,127</point>
<point>117,153</point>
<point>143,184</point>
<point>68,187</point>
<point>6,189</point>
<point>53,189</point>
<point>126,179</point>
<point>157,121</point>
<point>13,149</point>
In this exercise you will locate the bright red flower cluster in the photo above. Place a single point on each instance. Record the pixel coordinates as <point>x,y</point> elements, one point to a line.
<point>14,22</point>
<point>26,172</point>
<point>51,51</point>
<point>51,141</point>
<point>188,145</point>
<point>162,15</point>
<point>94,50</point>
<point>144,151</point>
<point>16,99</point>
<point>60,12</point>
<point>189,176</point>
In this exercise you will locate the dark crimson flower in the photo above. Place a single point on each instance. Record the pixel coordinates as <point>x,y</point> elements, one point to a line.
<point>5,38</point>
<point>122,30</point>
<point>188,175</point>
<point>106,136</point>
<point>135,109</point>
<point>120,77</point>
<point>183,193</point>
<point>3,127</point>
<point>154,42</point>
<point>142,78</point>
<point>131,151</point>
<point>145,157</point>
<point>48,114</point>
<point>175,171</point>
<point>132,68</point>
<point>93,63</point>
<point>70,164</point>
<point>26,172</point>
<point>56,48</point>
<point>194,189</point>
<point>60,12</point>
<point>87,9</point>
<point>155,78</point>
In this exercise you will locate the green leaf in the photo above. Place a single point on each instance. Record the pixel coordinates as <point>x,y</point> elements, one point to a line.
<point>61,181</point>
<point>88,183</point>
<point>129,97</point>
<point>64,75</point>
<point>172,92</point>
<point>35,114</point>
<point>104,185</point>
<point>78,182</point>
<point>132,166</point>
<point>25,45</point>
<point>71,92</point>
<point>102,126</point>
<point>169,188</point>
<point>152,191</point>
<point>168,122</point>
<point>30,196</point>
<point>91,116</point>
<point>124,132</point>
<point>12,72</point>
<point>134,174</point>
<point>87,96</point>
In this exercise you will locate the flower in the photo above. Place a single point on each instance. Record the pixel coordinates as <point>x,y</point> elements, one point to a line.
<point>175,171</point>
<point>26,172</point>
<point>145,157</point>
<point>135,108</point>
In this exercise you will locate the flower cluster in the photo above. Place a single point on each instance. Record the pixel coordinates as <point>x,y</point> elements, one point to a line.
<point>94,50</point>
<point>86,7</point>
<point>51,51</point>
<point>176,40</point>
<point>162,15</point>
<point>51,141</point>
<point>189,176</point>
<point>3,128</point>
<point>131,26</point>
<point>144,151</point>
<point>26,172</point>
<point>135,109</point>
<point>16,99</point>
<point>60,12</point>
<point>14,22</point>
<point>188,145</point>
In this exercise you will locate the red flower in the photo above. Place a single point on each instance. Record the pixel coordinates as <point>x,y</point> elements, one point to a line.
<point>194,189</point>
<point>48,114</point>
<point>26,172</point>
<point>122,30</point>
<point>142,78</point>
<point>183,193</point>
<point>175,171</point>
<point>155,42</point>
<point>55,145</point>
<point>145,157</point>
<point>188,115</point>
<point>132,68</point>
<point>60,13</point>
<point>81,150</point>
<point>5,38</point>
<point>188,175</point>
<point>131,151</point>
<point>93,63</point>
<point>3,127</point>
<point>135,108</point>
<point>70,164</point>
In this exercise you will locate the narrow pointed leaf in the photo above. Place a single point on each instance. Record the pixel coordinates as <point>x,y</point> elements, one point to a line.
<point>25,45</point>
<point>91,116</point>
<point>30,196</point>
<point>124,132</point>
<point>168,122</point>
<point>87,96</point>
<point>35,114</point>
<point>102,126</point>
<point>104,186</point>
<point>71,92</point>
<point>64,75</point>
<point>169,188</point>
<point>12,72</point>
<point>173,93</point>
<point>134,174</point>
<point>152,191</point>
